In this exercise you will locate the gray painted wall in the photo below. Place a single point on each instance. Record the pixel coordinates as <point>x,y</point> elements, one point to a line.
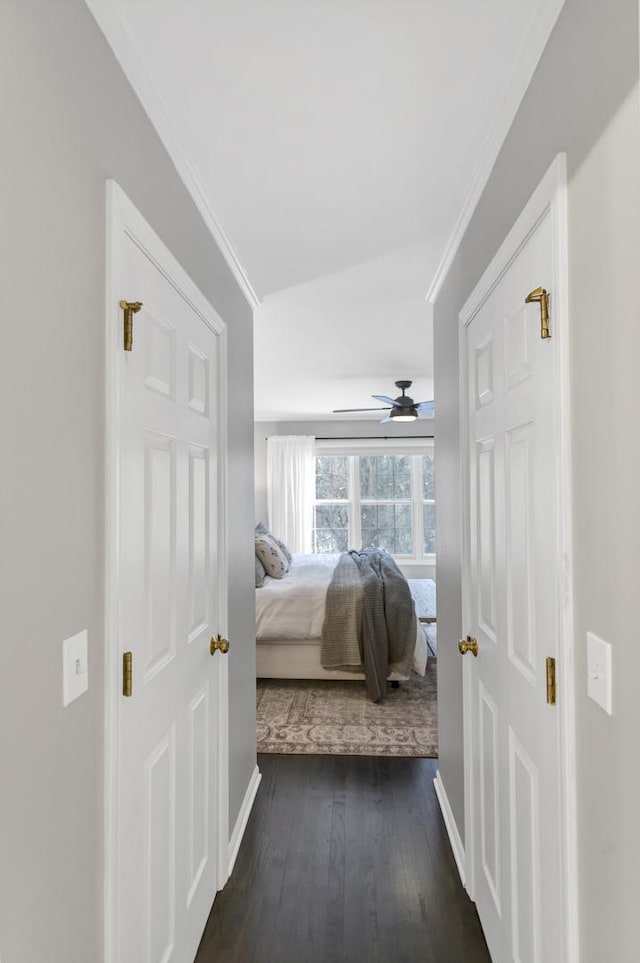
<point>583,99</point>
<point>69,122</point>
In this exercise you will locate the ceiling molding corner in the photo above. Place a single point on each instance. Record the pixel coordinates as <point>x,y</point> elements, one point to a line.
<point>128,56</point>
<point>514,93</point>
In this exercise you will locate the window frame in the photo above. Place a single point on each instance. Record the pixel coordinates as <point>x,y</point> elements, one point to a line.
<point>353,449</point>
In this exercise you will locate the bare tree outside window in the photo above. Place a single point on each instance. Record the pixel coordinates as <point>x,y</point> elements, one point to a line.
<point>379,500</point>
<point>386,511</point>
<point>332,509</point>
<point>428,504</point>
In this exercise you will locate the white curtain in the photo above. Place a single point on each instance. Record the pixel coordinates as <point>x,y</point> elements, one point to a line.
<point>290,489</point>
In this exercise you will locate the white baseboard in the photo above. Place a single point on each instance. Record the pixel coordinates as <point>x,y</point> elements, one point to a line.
<point>243,818</point>
<point>452,829</point>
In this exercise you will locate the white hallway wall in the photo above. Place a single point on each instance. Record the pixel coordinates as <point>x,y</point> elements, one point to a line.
<point>71,121</point>
<point>583,100</point>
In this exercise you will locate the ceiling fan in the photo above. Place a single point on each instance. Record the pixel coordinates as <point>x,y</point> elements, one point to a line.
<point>402,408</point>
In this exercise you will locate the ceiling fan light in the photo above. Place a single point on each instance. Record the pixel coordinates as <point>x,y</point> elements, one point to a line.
<point>399,414</point>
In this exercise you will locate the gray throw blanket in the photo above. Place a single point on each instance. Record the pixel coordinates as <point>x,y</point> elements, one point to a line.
<point>369,619</point>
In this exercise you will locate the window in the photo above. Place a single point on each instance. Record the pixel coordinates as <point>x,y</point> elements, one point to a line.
<point>386,509</point>
<point>386,500</point>
<point>332,510</point>
<point>428,505</point>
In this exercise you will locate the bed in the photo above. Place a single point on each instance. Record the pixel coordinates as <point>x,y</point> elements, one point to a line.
<point>290,612</point>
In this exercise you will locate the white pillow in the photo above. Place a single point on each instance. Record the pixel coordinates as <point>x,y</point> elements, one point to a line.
<point>271,556</point>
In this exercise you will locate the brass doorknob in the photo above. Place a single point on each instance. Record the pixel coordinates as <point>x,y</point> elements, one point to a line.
<point>468,645</point>
<point>218,644</point>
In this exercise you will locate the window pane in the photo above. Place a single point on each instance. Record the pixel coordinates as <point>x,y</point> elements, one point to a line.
<point>331,528</point>
<point>385,476</point>
<point>429,515</point>
<point>387,526</point>
<point>332,476</point>
<point>428,481</point>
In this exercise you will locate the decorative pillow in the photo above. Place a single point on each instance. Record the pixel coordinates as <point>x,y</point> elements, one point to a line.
<point>261,529</point>
<point>260,573</point>
<point>274,562</point>
<point>283,548</point>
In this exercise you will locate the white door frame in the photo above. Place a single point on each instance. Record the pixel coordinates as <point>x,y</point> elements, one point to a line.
<point>550,198</point>
<point>123,220</point>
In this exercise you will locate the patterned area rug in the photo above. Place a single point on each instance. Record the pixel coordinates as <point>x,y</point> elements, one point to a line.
<point>337,718</point>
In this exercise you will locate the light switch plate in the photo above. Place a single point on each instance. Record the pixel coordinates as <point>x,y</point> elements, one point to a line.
<point>75,667</point>
<point>599,682</point>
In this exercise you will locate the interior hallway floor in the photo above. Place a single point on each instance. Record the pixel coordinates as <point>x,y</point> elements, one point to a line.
<point>345,858</point>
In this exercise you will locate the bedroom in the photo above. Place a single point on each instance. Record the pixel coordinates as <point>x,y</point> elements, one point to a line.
<point>325,488</point>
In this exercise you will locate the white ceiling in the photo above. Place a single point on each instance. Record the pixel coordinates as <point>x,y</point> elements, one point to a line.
<point>333,342</point>
<point>334,146</point>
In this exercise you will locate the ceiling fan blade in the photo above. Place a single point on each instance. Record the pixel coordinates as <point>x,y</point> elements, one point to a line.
<point>385,419</point>
<point>426,408</point>
<point>385,398</point>
<point>339,411</point>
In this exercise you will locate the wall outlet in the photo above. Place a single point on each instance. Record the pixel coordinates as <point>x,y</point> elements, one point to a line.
<point>75,667</point>
<point>599,681</point>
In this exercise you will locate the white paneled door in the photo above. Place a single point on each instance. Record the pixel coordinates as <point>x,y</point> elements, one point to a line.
<point>169,600</point>
<point>514,586</point>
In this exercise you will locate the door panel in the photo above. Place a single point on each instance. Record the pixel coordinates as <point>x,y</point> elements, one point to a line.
<point>159,551</point>
<point>525,851</point>
<point>159,351</point>
<point>486,538</point>
<point>199,748</point>
<point>198,381</point>
<point>483,380</point>
<point>159,854</point>
<point>517,345</point>
<point>490,795</point>
<point>521,636</point>
<point>199,562</point>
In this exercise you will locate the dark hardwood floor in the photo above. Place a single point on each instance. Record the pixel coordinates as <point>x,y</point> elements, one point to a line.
<point>344,859</point>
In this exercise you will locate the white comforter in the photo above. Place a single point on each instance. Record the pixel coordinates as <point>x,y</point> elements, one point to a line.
<point>292,608</point>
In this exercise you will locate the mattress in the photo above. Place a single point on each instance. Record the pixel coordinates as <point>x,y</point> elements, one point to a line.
<point>289,619</point>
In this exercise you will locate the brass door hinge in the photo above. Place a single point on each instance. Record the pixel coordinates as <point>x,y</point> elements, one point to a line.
<point>127,673</point>
<point>542,297</point>
<point>551,681</point>
<point>130,308</point>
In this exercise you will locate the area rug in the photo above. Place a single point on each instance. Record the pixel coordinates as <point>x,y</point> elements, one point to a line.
<point>337,718</point>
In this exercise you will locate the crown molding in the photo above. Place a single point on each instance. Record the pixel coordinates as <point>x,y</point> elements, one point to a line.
<point>515,90</point>
<point>129,58</point>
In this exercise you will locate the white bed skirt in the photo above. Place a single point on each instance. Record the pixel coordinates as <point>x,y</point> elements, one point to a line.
<point>301,660</point>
